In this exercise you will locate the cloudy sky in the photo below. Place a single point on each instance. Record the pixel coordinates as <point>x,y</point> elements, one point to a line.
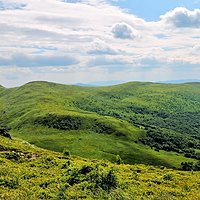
<point>81,41</point>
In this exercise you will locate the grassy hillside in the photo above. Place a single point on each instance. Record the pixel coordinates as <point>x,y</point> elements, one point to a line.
<point>131,120</point>
<point>27,172</point>
<point>169,113</point>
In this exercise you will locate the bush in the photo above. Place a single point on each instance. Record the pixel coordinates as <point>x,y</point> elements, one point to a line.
<point>168,177</point>
<point>61,122</point>
<point>109,181</point>
<point>66,152</point>
<point>187,166</point>
<point>94,176</point>
<point>118,160</point>
<point>197,166</point>
<point>11,183</point>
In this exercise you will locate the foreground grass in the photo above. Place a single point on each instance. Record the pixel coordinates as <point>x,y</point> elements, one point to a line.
<point>27,172</point>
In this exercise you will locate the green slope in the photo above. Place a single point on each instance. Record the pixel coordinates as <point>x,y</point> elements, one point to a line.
<point>27,172</point>
<point>169,113</point>
<point>102,122</point>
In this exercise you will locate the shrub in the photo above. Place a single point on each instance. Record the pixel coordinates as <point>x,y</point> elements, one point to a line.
<point>197,166</point>
<point>12,183</point>
<point>187,166</point>
<point>66,152</point>
<point>168,177</point>
<point>109,181</point>
<point>94,176</point>
<point>118,160</point>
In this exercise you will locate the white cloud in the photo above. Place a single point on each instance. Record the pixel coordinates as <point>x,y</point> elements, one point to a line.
<point>22,60</point>
<point>123,31</point>
<point>90,40</point>
<point>182,17</point>
<point>196,49</point>
<point>99,47</point>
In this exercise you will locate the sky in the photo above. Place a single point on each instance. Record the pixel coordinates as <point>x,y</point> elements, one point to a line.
<point>83,41</point>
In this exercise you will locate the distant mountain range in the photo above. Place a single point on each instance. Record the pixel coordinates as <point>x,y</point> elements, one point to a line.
<point>181,81</point>
<point>101,83</point>
<point>116,82</point>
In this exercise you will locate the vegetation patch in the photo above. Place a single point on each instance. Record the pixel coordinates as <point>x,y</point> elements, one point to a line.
<point>162,139</point>
<point>67,122</point>
<point>52,175</point>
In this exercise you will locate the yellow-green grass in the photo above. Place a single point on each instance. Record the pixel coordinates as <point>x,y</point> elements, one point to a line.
<point>27,172</point>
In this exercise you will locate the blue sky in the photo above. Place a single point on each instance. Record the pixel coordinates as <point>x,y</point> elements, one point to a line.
<point>82,41</point>
<point>151,10</point>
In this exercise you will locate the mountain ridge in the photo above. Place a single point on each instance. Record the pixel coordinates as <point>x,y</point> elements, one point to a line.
<point>110,83</point>
<point>120,117</point>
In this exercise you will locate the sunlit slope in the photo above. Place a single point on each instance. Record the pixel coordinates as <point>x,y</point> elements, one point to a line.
<point>27,172</point>
<point>169,112</point>
<point>96,122</point>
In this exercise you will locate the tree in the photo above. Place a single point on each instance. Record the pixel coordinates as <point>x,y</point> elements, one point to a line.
<point>187,166</point>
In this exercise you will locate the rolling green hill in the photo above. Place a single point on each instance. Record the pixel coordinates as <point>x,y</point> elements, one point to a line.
<point>30,173</point>
<point>142,122</point>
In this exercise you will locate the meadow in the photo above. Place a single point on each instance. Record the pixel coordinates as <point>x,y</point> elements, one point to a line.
<point>29,173</point>
<point>144,123</point>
